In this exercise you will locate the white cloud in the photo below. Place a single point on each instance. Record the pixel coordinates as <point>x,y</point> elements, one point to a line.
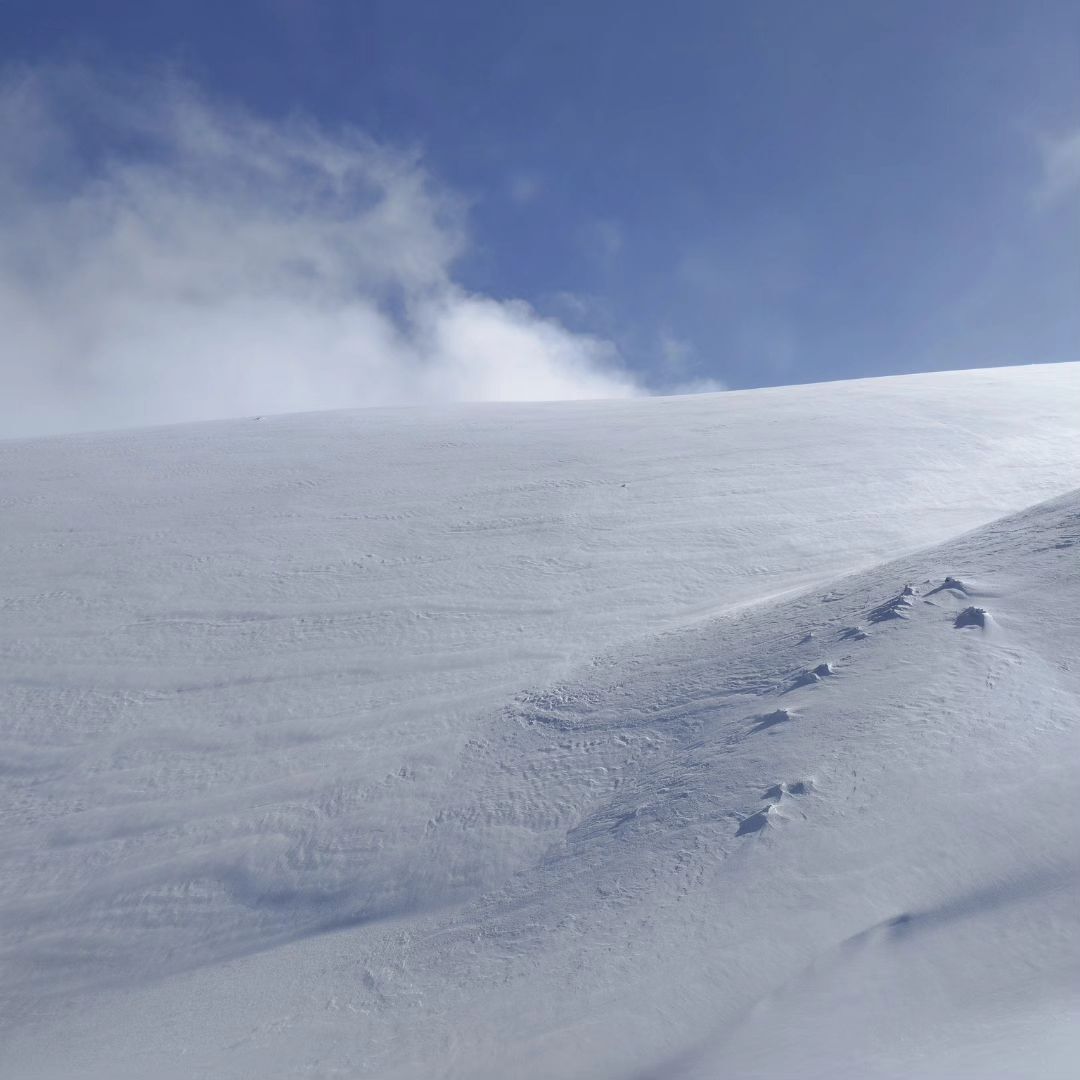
<point>215,264</point>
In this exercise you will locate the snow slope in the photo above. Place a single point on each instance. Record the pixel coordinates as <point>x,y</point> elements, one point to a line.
<point>486,741</point>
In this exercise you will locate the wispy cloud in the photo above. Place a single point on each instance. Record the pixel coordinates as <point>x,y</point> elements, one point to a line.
<point>676,354</point>
<point>1061,168</point>
<point>602,241</point>
<point>164,258</point>
<point>524,187</point>
<point>678,367</point>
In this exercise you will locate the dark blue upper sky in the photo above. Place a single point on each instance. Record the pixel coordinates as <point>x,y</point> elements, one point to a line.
<point>754,192</point>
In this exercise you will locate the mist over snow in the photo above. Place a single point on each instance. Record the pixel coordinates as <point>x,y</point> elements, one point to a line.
<point>165,257</point>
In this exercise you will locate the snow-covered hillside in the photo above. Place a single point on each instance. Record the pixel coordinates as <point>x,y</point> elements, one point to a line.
<point>580,740</point>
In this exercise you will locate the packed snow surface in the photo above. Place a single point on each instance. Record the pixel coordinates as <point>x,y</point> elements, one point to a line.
<point>725,736</point>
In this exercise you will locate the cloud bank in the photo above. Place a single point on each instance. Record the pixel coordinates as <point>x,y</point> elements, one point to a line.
<point>166,258</point>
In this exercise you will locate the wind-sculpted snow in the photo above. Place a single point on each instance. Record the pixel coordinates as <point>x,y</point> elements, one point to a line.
<point>546,740</point>
<point>866,881</point>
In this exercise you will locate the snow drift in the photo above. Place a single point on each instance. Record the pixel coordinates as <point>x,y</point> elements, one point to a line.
<point>555,740</point>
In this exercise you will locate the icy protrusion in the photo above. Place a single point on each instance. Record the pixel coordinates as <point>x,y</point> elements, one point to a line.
<point>953,585</point>
<point>796,788</point>
<point>972,616</point>
<point>768,720</point>
<point>895,608</point>
<point>759,821</point>
<point>816,674</point>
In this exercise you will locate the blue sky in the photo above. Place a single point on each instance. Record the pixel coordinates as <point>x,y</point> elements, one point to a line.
<point>748,193</point>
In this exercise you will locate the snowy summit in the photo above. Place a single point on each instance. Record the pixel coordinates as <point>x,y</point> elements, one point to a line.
<point>734,735</point>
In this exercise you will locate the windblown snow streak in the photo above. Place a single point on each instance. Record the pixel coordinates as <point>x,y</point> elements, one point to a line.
<point>549,740</point>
